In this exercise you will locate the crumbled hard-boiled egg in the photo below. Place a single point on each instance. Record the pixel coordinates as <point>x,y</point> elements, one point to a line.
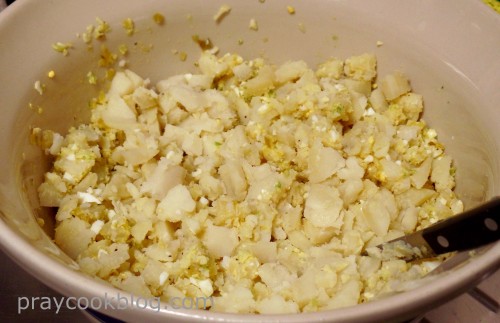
<point>221,13</point>
<point>253,184</point>
<point>253,24</point>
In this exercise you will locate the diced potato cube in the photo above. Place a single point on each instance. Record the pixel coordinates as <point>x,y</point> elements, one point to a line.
<point>323,206</point>
<point>333,68</point>
<point>176,204</point>
<point>163,178</point>
<point>347,296</point>
<point>377,100</point>
<point>276,304</point>
<point>220,241</point>
<point>261,83</point>
<point>52,190</point>
<point>394,85</point>
<point>421,175</point>
<point>124,83</point>
<point>234,180</point>
<point>238,300</point>
<point>73,236</point>
<point>290,71</point>
<point>362,67</point>
<point>117,114</point>
<point>323,163</point>
<point>379,210</point>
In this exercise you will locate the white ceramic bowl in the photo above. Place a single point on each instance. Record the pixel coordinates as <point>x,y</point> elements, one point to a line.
<point>449,49</point>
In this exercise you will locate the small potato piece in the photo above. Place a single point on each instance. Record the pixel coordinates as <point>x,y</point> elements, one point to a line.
<point>109,258</point>
<point>124,83</point>
<point>409,218</point>
<point>350,189</point>
<point>234,180</point>
<point>163,179</point>
<point>135,285</point>
<point>73,236</point>
<point>190,99</point>
<point>318,235</point>
<point>353,170</point>
<point>377,100</point>
<point>176,204</point>
<point>394,85</point>
<point>379,210</point>
<point>441,173</point>
<point>412,105</point>
<point>118,115</point>
<point>262,83</point>
<point>220,241</point>
<point>331,68</point>
<point>140,229</point>
<point>323,163</point>
<point>304,288</point>
<point>290,71</point>
<point>416,197</point>
<point>392,171</point>
<point>237,300</point>
<point>274,274</point>
<point>323,206</point>
<point>265,251</point>
<point>276,304</point>
<point>421,175</point>
<point>211,66</point>
<point>52,190</point>
<point>362,67</point>
<point>347,296</point>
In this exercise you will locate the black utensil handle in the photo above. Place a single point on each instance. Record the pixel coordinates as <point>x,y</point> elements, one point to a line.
<point>471,229</point>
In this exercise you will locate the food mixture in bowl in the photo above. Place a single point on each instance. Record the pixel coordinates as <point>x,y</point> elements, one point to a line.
<point>256,185</point>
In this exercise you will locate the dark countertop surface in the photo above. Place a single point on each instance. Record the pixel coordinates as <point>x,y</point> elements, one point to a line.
<point>16,283</point>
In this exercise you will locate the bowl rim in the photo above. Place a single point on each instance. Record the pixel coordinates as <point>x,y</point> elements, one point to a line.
<point>66,281</point>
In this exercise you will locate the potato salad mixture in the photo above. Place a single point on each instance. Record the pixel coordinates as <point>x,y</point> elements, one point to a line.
<point>253,184</point>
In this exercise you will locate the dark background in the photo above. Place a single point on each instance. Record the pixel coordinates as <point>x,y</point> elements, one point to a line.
<point>15,282</point>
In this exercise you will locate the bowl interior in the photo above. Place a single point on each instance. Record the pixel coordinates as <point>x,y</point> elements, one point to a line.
<point>458,95</point>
